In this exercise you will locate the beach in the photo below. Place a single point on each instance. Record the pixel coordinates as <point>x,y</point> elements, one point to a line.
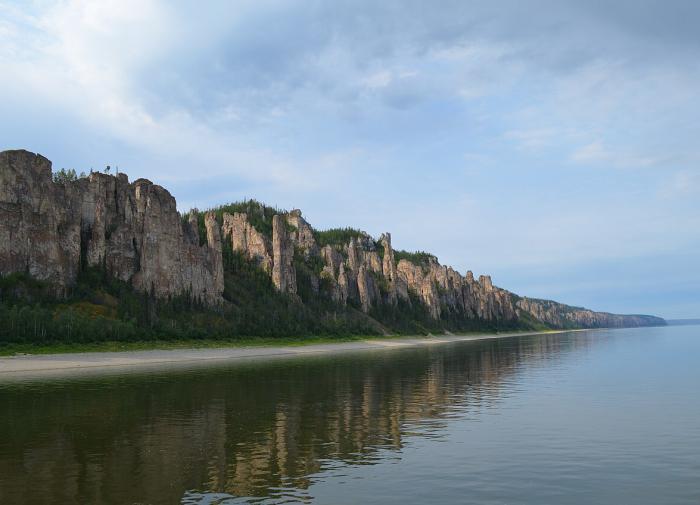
<point>51,364</point>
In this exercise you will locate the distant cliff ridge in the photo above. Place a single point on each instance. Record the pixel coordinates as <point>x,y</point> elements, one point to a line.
<point>133,231</point>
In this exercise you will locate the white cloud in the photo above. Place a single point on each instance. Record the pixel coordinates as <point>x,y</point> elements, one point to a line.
<point>593,152</point>
<point>682,183</point>
<point>534,139</point>
<point>361,113</point>
<point>377,80</point>
<point>86,61</point>
<point>596,153</point>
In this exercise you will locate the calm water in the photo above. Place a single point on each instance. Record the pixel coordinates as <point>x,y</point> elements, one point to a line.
<point>607,417</point>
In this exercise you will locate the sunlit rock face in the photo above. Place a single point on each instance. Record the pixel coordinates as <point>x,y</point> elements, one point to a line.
<point>564,316</point>
<point>51,230</point>
<point>283,272</point>
<point>247,240</point>
<point>302,235</point>
<point>132,229</point>
<point>39,232</point>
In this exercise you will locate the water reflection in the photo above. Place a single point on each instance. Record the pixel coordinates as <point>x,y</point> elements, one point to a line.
<point>267,431</point>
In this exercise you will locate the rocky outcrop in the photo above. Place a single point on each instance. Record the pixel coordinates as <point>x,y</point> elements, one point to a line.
<point>132,230</point>
<point>283,273</point>
<point>343,285</point>
<point>558,315</point>
<point>215,251</point>
<point>390,272</point>
<point>302,234</point>
<point>360,270</point>
<point>333,273</point>
<point>364,288</point>
<point>274,255</point>
<point>38,234</point>
<point>332,259</point>
<point>247,240</point>
<point>442,289</point>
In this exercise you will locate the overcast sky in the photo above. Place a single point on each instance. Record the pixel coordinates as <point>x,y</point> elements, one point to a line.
<point>554,145</point>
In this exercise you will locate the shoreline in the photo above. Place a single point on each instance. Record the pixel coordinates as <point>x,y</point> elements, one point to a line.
<point>42,364</point>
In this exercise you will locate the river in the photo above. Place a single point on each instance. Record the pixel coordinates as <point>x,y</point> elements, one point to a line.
<point>604,417</point>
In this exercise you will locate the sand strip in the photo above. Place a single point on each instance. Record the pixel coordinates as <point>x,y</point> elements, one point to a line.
<point>35,364</point>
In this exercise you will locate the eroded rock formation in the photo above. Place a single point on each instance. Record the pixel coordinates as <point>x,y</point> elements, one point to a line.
<point>302,234</point>
<point>283,273</point>
<point>247,240</point>
<point>133,230</point>
<point>558,315</point>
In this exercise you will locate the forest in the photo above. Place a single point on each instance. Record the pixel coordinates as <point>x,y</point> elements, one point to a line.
<point>101,308</point>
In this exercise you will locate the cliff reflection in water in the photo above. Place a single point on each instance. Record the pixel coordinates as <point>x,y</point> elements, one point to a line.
<point>246,430</point>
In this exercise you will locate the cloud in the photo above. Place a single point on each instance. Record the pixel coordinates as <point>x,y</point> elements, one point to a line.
<point>596,153</point>
<point>361,113</point>
<point>377,80</point>
<point>534,139</point>
<point>682,183</point>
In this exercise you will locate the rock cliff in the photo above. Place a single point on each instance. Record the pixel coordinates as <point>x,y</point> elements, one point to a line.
<point>558,315</point>
<point>283,273</point>
<point>247,240</point>
<point>51,230</point>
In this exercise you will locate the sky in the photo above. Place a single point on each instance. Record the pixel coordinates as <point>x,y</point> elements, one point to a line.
<point>551,144</point>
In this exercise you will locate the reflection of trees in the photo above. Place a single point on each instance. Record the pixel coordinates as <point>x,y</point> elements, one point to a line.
<point>247,429</point>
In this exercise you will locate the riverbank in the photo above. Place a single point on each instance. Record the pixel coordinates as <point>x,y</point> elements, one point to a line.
<point>25,364</point>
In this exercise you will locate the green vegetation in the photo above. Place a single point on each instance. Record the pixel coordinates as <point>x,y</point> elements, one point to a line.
<point>103,309</point>
<point>380,249</point>
<point>103,312</point>
<point>259,214</point>
<point>417,258</point>
<point>143,345</point>
<point>70,175</point>
<point>337,236</point>
<point>412,318</point>
<point>527,320</point>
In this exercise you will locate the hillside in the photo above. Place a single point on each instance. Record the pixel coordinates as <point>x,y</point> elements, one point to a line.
<point>97,257</point>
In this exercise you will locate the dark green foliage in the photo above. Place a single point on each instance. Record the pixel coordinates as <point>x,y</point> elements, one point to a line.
<point>528,321</point>
<point>380,249</point>
<point>257,309</point>
<point>63,176</point>
<point>381,282</point>
<point>417,258</point>
<point>102,308</point>
<point>560,307</point>
<point>337,236</point>
<point>29,313</point>
<point>412,317</point>
<point>259,214</point>
<point>201,229</point>
<point>406,317</point>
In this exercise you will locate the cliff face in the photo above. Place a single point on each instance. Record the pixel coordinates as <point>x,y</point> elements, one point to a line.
<point>559,315</point>
<point>133,230</point>
<point>247,240</point>
<point>38,234</point>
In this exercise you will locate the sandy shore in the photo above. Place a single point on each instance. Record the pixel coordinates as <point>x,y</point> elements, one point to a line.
<point>52,364</point>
